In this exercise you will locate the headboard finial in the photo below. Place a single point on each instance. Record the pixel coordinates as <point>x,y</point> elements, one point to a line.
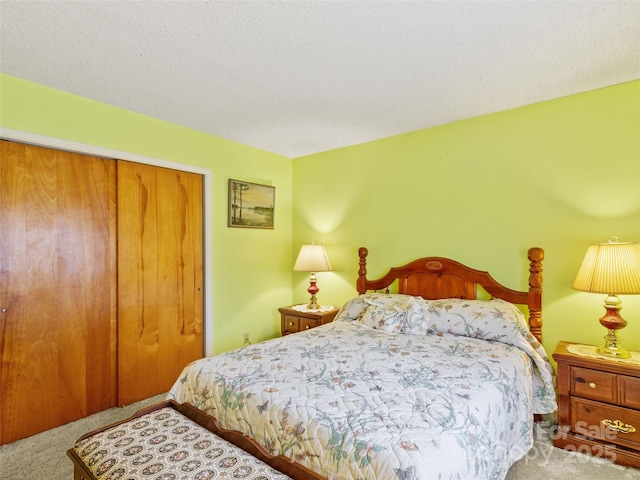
<point>536,254</point>
<point>362,271</point>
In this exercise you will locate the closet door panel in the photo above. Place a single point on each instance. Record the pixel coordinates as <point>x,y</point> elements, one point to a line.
<point>29,323</point>
<point>87,290</point>
<point>159,279</point>
<point>57,284</point>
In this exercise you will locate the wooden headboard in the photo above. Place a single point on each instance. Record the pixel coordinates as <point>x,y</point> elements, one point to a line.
<point>435,277</point>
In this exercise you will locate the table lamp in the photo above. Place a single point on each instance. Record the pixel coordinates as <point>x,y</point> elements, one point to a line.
<point>611,268</point>
<point>312,258</point>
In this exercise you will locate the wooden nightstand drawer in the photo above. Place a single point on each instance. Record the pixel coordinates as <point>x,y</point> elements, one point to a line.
<point>296,318</point>
<point>594,384</point>
<point>630,391</point>
<point>606,422</point>
<point>291,324</point>
<point>307,323</point>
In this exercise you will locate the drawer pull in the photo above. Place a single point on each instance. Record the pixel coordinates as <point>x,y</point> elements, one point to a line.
<point>307,327</point>
<point>591,384</point>
<point>618,426</point>
<point>291,324</point>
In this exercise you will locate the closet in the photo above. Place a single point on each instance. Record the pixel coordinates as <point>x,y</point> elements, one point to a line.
<point>101,300</point>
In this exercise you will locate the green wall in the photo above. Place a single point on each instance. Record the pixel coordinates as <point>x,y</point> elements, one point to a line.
<point>559,175</point>
<point>248,285</point>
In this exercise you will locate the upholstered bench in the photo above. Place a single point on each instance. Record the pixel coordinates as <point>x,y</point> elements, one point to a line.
<point>172,441</point>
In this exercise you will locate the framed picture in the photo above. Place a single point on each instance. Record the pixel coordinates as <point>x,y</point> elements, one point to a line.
<point>251,205</point>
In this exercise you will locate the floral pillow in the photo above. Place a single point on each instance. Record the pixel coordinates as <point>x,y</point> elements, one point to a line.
<point>352,310</point>
<point>487,319</point>
<point>391,313</point>
<point>385,312</point>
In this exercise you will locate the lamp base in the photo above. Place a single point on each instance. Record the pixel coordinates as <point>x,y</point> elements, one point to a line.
<point>612,321</point>
<point>313,304</point>
<point>612,346</point>
<point>313,289</point>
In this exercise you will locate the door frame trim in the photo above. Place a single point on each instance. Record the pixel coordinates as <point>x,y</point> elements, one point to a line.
<point>207,207</point>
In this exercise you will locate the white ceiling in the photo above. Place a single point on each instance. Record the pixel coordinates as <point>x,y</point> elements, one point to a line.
<point>299,77</point>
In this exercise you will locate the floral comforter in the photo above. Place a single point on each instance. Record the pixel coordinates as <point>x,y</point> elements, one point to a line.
<point>395,388</point>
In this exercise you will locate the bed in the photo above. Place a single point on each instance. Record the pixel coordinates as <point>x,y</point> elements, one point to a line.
<point>431,371</point>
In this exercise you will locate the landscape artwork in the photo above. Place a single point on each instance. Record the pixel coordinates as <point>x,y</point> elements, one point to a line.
<point>251,205</point>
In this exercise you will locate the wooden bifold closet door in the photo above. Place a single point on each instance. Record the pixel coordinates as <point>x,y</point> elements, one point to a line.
<point>57,288</point>
<point>101,300</point>
<point>160,294</point>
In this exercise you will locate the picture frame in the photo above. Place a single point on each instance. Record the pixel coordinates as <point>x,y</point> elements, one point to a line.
<point>251,205</point>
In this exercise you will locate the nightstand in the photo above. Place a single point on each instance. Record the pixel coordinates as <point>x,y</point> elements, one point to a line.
<point>598,405</point>
<point>299,318</point>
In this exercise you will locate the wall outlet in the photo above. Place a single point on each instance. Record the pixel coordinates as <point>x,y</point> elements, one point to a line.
<point>245,338</point>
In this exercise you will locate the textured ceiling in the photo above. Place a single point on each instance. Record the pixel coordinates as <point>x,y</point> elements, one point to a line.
<point>299,77</point>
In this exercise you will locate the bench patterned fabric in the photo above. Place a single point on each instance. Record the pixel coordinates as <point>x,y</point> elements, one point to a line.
<point>165,445</point>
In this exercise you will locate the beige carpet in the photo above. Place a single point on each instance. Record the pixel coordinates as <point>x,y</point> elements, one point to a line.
<point>43,456</point>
